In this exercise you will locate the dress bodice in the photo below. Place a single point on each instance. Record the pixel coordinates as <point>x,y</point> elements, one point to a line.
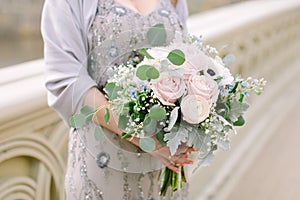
<point>117,30</point>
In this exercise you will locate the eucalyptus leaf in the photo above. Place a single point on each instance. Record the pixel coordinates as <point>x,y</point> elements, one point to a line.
<point>98,133</point>
<point>87,110</point>
<point>147,144</point>
<point>160,137</point>
<point>123,121</point>
<point>176,57</point>
<point>144,52</point>
<point>150,125</point>
<point>112,90</point>
<point>157,113</point>
<point>152,73</point>
<point>145,72</point>
<point>77,121</point>
<point>157,35</point>
<point>106,115</point>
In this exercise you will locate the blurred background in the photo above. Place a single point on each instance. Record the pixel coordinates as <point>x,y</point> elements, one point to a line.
<point>264,162</point>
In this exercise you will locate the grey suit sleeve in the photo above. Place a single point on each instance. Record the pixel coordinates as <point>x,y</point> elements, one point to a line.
<point>65,52</point>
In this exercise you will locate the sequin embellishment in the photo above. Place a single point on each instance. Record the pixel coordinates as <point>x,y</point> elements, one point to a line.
<point>102,159</point>
<point>164,12</point>
<point>119,10</point>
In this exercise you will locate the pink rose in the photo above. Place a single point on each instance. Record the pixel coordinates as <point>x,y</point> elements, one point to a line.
<point>204,87</point>
<point>195,109</point>
<point>168,89</point>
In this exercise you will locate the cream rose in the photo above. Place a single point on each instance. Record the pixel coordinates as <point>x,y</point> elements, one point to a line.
<point>204,87</point>
<point>168,89</point>
<point>195,109</point>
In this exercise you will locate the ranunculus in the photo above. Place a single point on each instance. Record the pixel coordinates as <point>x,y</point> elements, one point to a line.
<point>215,70</point>
<point>204,87</point>
<point>195,109</point>
<point>168,89</point>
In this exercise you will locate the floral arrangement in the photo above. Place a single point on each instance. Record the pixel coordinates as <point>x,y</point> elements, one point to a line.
<point>181,94</point>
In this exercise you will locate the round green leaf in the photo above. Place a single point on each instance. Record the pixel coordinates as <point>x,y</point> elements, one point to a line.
<point>77,121</point>
<point>141,72</point>
<point>122,123</point>
<point>150,125</point>
<point>147,144</point>
<point>176,57</point>
<point>157,35</point>
<point>145,72</point>
<point>152,73</point>
<point>98,133</point>
<point>106,115</point>
<point>157,112</point>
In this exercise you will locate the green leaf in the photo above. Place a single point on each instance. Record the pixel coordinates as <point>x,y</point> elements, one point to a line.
<point>123,120</point>
<point>147,144</point>
<point>107,115</point>
<point>126,135</point>
<point>176,57</point>
<point>150,125</point>
<point>144,52</point>
<point>152,73</point>
<point>112,90</point>
<point>157,35</point>
<point>145,72</point>
<point>77,121</point>
<point>157,113</point>
<point>98,133</point>
<point>160,137</point>
<point>240,121</point>
<point>88,112</point>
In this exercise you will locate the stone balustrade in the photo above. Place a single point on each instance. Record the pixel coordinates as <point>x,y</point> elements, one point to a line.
<point>263,35</point>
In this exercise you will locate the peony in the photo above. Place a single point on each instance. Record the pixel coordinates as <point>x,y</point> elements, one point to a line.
<point>168,89</point>
<point>204,87</point>
<point>195,109</point>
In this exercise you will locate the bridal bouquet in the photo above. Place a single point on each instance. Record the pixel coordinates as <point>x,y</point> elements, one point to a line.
<point>182,94</point>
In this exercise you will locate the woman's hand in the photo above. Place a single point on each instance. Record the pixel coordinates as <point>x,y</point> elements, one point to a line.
<point>173,162</point>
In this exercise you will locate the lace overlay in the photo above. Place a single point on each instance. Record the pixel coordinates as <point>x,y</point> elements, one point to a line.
<point>111,168</point>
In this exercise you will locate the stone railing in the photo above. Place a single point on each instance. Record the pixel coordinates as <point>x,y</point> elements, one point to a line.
<point>33,141</point>
<point>265,38</point>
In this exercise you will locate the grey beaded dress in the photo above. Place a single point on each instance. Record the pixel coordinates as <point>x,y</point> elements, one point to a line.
<point>107,167</point>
